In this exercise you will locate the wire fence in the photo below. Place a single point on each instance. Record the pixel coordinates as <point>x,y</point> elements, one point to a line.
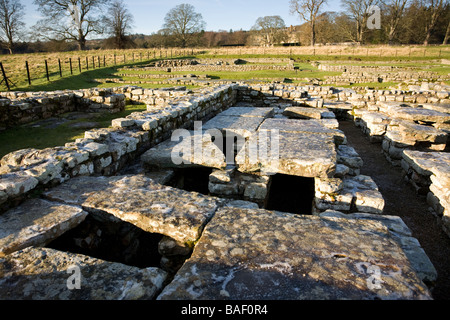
<point>19,71</point>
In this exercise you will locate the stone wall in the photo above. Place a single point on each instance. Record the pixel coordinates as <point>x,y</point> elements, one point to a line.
<point>105,151</point>
<point>18,108</point>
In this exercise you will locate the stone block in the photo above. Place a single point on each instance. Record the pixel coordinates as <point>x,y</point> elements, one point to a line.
<point>44,274</point>
<point>248,254</point>
<point>35,223</point>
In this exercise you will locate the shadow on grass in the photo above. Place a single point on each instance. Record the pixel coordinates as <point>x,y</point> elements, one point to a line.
<point>83,80</point>
<point>32,136</point>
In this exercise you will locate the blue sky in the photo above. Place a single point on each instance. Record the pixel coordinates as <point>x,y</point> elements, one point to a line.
<point>218,14</point>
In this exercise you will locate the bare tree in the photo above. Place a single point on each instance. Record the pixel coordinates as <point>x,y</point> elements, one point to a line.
<point>183,22</point>
<point>395,10</point>
<point>447,34</point>
<point>433,8</point>
<point>270,29</point>
<point>70,19</point>
<point>11,24</point>
<point>359,11</point>
<point>308,11</point>
<point>118,24</point>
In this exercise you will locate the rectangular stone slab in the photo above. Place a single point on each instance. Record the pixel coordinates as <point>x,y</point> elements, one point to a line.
<point>312,126</point>
<point>248,112</point>
<point>416,114</point>
<point>44,274</point>
<point>195,150</point>
<point>154,208</point>
<point>299,154</point>
<point>36,222</point>
<point>307,113</point>
<point>255,254</point>
<point>242,126</point>
<point>296,125</point>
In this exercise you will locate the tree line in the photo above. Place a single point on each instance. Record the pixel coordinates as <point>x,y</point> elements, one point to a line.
<point>69,24</point>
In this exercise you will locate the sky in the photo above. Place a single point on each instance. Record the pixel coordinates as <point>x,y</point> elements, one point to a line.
<point>218,14</point>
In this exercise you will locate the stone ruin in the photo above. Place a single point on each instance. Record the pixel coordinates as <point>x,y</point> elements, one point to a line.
<point>302,225</point>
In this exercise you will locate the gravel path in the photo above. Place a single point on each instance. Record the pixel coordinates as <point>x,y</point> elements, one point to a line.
<point>402,200</point>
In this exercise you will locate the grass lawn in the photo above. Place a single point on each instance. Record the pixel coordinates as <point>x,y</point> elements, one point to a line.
<point>27,136</point>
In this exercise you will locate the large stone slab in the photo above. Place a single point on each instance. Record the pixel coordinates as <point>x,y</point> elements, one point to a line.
<point>193,150</point>
<point>248,254</point>
<point>304,126</point>
<point>35,223</point>
<point>248,112</point>
<point>152,207</point>
<point>403,235</point>
<point>427,163</point>
<point>241,126</point>
<point>308,113</point>
<point>47,274</point>
<point>397,111</point>
<point>299,154</point>
<point>419,132</point>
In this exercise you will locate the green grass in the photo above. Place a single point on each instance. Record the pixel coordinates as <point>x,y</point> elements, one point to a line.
<point>27,136</point>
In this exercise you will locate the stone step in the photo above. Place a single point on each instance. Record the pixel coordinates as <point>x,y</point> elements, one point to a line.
<point>47,274</point>
<point>36,222</point>
<point>255,254</point>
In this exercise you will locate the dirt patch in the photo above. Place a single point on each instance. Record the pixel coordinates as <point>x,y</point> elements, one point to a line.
<point>402,200</point>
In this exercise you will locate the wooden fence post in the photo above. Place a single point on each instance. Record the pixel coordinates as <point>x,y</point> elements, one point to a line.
<point>60,69</point>
<point>70,63</point>
<point>87,63</point>
<point>28,73</point>
<point>93,62</point>
<point>46,70</point>
<point>4,76</point>
<point>79,64</point>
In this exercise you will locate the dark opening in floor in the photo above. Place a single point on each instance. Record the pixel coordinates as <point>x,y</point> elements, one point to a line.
<point>103,237</point>
<point>192,179</point>
<point>291,194</point>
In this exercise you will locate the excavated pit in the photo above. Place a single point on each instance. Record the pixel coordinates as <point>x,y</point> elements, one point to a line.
<point>191,179</point>
<point>290,194</point>
<point>112,240</point>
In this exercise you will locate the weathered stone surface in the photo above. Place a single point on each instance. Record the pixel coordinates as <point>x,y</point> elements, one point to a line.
<point>347,156</point>
<point>304,126</point>
<point>192,151</point>
<point>358,193</point>
<point>154,208</point>
<point>248,112</point>
<point>290,153</point>
<point>47,274</point>
<point>308,113</point>
<point>17,183</point>
<point>241,126</point>
<point>77,190</point>
<point>141,201</point>
<point>414,114</point>
<point>403,235</point>
<point>257,254</point>
<point>35,223</point>
<point>421,133</point>
<point>427,163</point>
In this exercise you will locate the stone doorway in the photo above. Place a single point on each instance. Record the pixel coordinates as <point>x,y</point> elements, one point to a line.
<point>292,194</point>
